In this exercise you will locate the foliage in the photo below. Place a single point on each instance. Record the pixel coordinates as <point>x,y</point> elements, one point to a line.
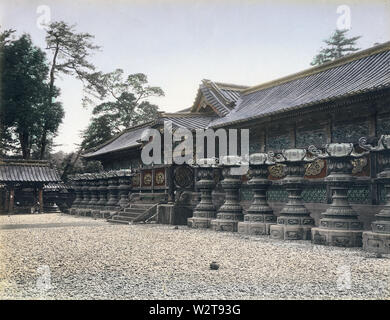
<point>24,96</point>
<point>338,45</point>
<point>70,163</point>
<point>70,51</point>
<point>126,105</point>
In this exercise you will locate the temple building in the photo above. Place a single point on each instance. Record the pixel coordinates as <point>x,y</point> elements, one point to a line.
<point>337,102</point>
<point>28,186</point>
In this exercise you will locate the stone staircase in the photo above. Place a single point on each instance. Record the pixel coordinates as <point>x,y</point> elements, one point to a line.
<point>133,213</point>
<point>142,210</point>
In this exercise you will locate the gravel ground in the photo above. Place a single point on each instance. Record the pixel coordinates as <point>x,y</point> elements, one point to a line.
<point>67,257</point>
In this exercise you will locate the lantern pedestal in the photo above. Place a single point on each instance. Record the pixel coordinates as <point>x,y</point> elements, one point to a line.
<point>339,225</point>
<point>294,222</point>
<point>259,217</point>
<point>205,210</point>
<point>230,213</point>
<point>378,240</point>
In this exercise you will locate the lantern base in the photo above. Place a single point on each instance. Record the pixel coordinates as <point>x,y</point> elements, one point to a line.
<point>224,225</point>
<point>199,222</point>
<point>289,232</point>
<point>338,238</point>
<point>376,242</point>
<point>254,228</point>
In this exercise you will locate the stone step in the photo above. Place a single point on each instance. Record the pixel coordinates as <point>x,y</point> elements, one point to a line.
<point>134,210</point>
<point>143,206</point>
<point>111,208</point>
<point>118,221</point>
<point>129,214</point>
<point>122,218</point>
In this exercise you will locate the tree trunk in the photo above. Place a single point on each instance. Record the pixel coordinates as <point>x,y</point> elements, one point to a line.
<point>43,144</point>
<point>24,144</point>
<point>49,102</point>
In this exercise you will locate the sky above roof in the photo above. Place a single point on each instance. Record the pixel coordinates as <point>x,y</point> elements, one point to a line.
<point>179,43</point>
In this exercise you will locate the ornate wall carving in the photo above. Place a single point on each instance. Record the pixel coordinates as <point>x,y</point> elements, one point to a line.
<point>278,142</point>
<point>349,132</point>
<point>383,124</point>
<point>305,138</point>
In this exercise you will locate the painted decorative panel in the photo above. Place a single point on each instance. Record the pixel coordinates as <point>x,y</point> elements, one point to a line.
<point>305,138</point>
<point>276,171</point>
<point>159,177</point>
<point>316,169</point>
<point>383,124</point>
<point>278,142</point>
<point>146,178</point>
<point>349,132</point>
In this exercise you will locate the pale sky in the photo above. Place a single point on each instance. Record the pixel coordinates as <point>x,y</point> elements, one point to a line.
<point>179,43</point>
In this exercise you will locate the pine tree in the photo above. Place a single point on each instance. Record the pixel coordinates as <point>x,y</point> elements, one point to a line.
<point>338,45</point>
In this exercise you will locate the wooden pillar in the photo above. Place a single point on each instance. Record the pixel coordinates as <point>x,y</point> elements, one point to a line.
<point>40,199</point>
<point>11,200</point>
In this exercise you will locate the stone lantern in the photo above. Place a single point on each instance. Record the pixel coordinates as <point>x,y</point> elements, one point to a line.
<point>294,222</point>
<point>339,225</point>
<point>230,213</point>
<point>105,194</point>
<point>112,202</point>
<point>124,187</point>
<point>378,240</point>
<point>93,191</point>
<point>259,216</point>
<point>205,210</point>
<point>77,189</point>
<point>102,192</point>
<point>85,194</point>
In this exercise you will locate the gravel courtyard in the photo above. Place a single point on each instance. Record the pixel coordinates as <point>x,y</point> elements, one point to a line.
<point>56,256</point>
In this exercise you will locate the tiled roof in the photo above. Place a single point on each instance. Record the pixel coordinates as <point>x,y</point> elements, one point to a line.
<point>27,171</point>
<point>125,140</point>
<point>130,138</point>
<point>220,96</point>
<point>364,71</point>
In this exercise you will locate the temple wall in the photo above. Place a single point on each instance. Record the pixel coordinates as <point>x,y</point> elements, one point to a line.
<point>355,121</point>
